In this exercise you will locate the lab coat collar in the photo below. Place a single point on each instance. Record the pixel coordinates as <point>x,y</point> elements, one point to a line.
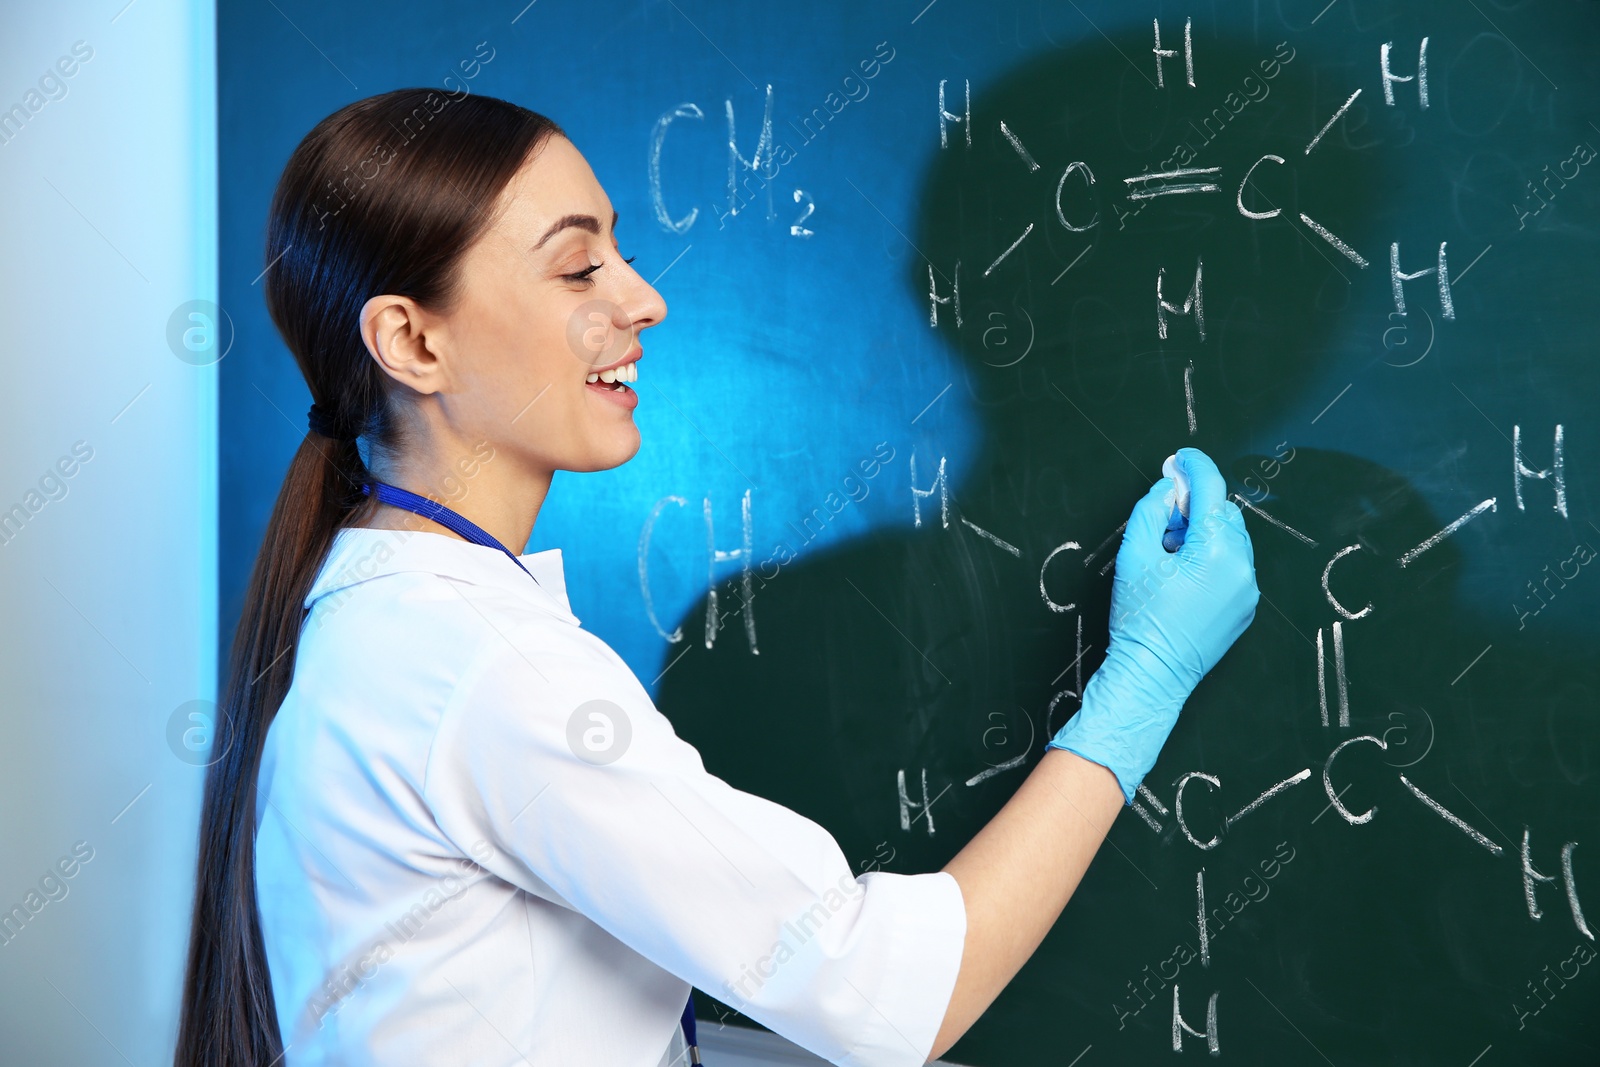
<point>360,554</point>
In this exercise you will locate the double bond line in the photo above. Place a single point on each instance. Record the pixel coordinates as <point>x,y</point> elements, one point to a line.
<point>1165,183</point>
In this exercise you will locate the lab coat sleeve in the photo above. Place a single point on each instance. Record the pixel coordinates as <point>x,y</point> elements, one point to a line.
<point>553,754</point>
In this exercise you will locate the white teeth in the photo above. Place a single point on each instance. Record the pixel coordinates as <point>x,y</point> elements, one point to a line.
<point>628,372</point>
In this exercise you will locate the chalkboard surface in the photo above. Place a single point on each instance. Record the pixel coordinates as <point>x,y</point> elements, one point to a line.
<point>937,335</point>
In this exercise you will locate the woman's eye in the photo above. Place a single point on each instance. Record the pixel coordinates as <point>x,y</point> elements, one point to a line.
<point>583,275</point>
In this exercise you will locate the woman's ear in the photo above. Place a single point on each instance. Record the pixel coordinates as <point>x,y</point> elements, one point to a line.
<point>396,331</point>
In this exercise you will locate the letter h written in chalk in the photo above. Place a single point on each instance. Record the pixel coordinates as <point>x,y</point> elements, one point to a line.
<point>1397,277</point>
<point>1556,473</point>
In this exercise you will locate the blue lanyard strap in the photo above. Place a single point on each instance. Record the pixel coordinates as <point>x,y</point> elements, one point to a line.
<point>394,496</point>
<point>687,1022</point>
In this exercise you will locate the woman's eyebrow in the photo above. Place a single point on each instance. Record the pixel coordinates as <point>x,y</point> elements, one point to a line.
<point>582,222</point>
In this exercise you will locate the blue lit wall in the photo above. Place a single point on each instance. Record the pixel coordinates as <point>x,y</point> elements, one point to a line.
<point>108,485</point>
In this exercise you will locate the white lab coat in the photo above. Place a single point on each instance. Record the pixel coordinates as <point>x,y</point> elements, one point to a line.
<point>443,880</point>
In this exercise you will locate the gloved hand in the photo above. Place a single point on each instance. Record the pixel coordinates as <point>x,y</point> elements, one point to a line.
<point>1173,615</point>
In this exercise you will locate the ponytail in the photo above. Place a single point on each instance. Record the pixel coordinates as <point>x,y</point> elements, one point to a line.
<point>228,1011</point>
<point>334,240</point>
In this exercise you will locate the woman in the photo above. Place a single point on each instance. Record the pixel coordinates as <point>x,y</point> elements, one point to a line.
<point>446,824</point>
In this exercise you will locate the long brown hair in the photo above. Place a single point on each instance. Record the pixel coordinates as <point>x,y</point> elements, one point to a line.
<point>383,196</point>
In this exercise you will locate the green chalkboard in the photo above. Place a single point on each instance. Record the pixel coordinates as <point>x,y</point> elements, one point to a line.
<point>907,680</point>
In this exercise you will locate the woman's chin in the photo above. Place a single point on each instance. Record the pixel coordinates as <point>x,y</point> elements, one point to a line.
<point>616,450</point>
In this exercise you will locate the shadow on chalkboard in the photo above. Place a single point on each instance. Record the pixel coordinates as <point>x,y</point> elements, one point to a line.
<point>898,674</point>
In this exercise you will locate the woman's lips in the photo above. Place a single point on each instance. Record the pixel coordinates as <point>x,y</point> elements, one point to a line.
<point>616,392</point>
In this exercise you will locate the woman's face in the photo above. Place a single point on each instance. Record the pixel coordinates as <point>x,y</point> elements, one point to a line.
<point>546,302</point>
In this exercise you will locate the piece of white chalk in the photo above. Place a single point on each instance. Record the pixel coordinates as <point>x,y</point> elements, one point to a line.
<point>1170,469</point>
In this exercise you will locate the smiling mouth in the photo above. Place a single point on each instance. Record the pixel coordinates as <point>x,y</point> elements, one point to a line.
<point>612,379</point>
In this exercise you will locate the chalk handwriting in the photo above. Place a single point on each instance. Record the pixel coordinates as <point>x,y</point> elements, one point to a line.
<point>1532,878</point>
<point>1180,1027</point>
<point>1168,53</point>
<point>1556,472</point>
<point>1389,78</point>
<point>1474,512</point>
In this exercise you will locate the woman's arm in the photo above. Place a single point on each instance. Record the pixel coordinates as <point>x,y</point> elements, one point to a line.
<point>1173,615</point>
<point>1018,873</point>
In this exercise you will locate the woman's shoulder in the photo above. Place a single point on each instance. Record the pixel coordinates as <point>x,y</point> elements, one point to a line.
<point>406,572</point>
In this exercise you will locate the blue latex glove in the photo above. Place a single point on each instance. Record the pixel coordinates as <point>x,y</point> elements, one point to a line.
<point>1173,615</point>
